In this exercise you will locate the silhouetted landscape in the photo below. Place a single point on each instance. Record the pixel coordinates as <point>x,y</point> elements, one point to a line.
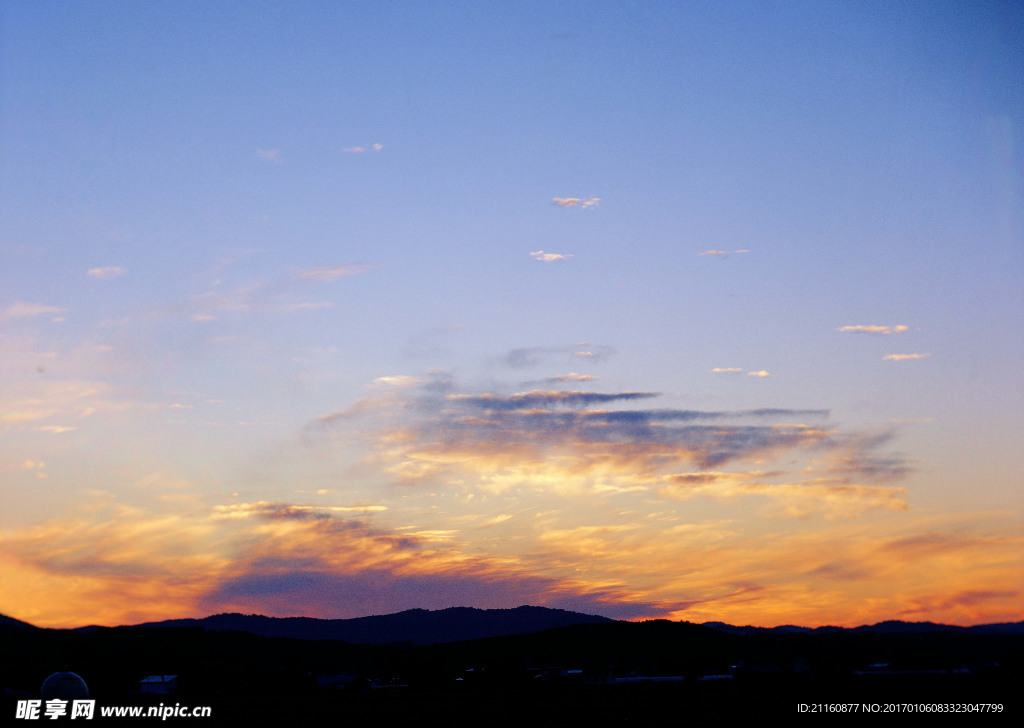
<point>529,665</point>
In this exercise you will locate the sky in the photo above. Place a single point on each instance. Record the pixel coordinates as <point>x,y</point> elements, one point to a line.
<point>698,311</point>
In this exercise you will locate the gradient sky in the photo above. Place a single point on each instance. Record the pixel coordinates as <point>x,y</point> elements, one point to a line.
<point>707,311</point>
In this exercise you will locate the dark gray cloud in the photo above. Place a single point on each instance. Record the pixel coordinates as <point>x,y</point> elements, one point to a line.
<point>542,398</point>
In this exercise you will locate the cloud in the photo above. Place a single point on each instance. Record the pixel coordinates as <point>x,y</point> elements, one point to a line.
<point>790,500</point>
<point>722,253</point>
<point>25,310</point>
<point>536,355</point>
<point>727,370</point>
<point>853,458</point>
<point>276,294</point>
<point>376,147</point>
<point>541,398</point>
<point>108,272</point>
<point>577,202</point>
<point>570,377</point>
<point>268,509</point>
<point>860,329</point>
<point>549,257</point>
<point>328,273</point>
<point>541,436</point>
<point>270,155</point>
<point>761,374</point>
<point>904,357</point>
<point>121,564</point>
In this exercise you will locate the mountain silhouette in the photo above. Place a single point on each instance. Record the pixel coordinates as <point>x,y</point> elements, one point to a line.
<point>415,626</point>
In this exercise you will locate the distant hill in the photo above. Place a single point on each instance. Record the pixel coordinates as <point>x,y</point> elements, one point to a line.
<point>416,626</point>
<point>12,622</point>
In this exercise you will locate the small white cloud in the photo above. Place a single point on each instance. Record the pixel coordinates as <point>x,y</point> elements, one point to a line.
<point>577,202</point>
<point>904,357</point>
<point>108,272</point>
<point>24,310</point>
<point>727,370</point>
<point>376,147</point>
<point>271,155</point>
<point>861,329</point>
<point>549,257</point>
<point>761,374</point>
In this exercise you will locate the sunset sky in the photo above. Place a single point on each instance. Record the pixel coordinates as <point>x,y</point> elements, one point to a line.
<point>704,311</point>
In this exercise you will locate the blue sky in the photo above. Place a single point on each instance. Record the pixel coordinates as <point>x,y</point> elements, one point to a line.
<point>274,276</point>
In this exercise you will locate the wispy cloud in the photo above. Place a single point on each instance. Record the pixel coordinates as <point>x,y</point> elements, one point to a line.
<point>549,257</point>
<point>270,155</point>
<point>577,202</point>
<point>727,370</point>
<point>328,273</point>
<point>904,357</point>
<point>26,310</point>
<point>107,272</point>
<point>536,355</point>
<point>861,329</point>
<point>762,374</point>
<point>124,564</point>
<point>570,377</point>
<point>376,147</point>
<point>275,294</point>
<point>833,499</point>
<point>722,253</point>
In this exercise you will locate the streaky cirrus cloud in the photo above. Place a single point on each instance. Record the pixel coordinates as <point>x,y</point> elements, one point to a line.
<point>20,309</point>
<point>537,355</point>
<point>904,357</point>
<point>570,377</point>
<point>727,370</point>
<point>327,273</point>
<point>832,498</point>
<point>722,253</point>
<point>549,257</point>
<point>762,374</point>
<point>577,202</point>
<point>106,272</point>
<point>279,294</point>
<point>872,329</point>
